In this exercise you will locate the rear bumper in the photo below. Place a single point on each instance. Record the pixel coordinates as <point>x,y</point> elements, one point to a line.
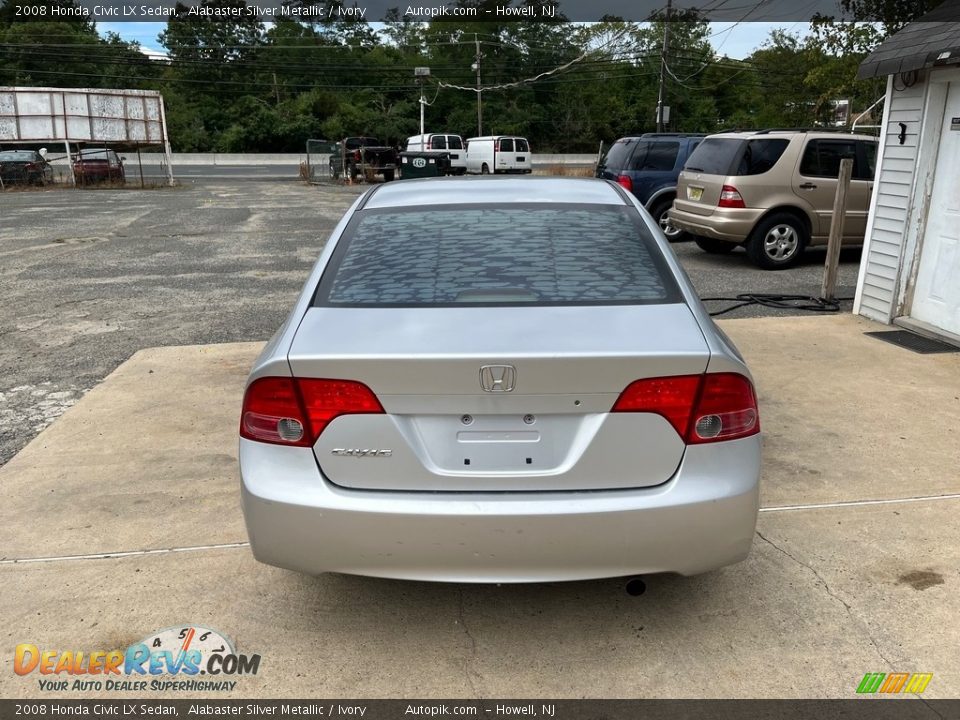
<point>733,225</point>
<point>702,519</point>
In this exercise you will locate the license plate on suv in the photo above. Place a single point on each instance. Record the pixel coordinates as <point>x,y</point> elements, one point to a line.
<point>694,193</point>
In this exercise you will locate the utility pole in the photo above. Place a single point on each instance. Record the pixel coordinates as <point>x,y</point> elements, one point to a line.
<point>421,73</point>
<point>476,66</point>
<point>663,67</point>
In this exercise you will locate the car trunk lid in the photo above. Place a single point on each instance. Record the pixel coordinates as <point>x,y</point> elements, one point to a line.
<point>498,398</point>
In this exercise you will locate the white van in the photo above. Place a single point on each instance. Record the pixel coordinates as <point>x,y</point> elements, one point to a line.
<point>498,154</point>
<point>441,142</point>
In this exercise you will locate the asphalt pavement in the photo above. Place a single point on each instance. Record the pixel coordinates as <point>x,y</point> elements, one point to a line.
<point>89,277</point>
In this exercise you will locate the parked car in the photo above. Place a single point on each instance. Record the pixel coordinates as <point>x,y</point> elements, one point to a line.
<point>96,165</point>
<point>498,154</point>
<point>467,391</point>
<point>442,143</point>
<point>773,192</point>
<point>648,165</point>
<point>355,155</point>
<point>28,167</point>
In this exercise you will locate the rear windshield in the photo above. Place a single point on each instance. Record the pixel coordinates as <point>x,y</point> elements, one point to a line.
<point>17,156</point>
<point>618,155</point>
<point>522,145</point>
<point>736,156</point>
<point>454,142</point>
<point>485,255</point>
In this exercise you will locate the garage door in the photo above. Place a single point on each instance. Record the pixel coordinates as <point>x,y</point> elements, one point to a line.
<point>936,296</point>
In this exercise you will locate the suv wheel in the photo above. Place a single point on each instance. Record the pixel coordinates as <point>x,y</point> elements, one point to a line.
<point>659,213</point>
<point>777,241</point>
<point>714,246</point>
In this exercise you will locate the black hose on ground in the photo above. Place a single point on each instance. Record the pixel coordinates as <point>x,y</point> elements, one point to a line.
<point>778,302</point>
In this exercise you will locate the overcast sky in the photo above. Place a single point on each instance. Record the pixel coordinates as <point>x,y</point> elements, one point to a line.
<point>736,40</point>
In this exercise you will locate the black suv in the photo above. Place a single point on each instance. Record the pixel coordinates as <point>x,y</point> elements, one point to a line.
<point>648,166</point>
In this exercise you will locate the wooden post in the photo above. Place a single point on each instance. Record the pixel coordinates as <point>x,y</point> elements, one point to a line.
<point>829,289</point>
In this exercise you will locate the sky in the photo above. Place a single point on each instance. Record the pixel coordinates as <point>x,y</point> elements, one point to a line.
<point>736,40</point>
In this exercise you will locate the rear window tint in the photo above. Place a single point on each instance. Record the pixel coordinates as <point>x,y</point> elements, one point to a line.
<point>522,145</point>
<point>506,145</point>
<point>736,156</point>
<point>822,157</point>
<point>715,156</point>
<point>438,142</point>
<point>759,156</point>
<point>654,156</point>
<point>454,142</point>
<point>484,255</point>
<point>619,154</point>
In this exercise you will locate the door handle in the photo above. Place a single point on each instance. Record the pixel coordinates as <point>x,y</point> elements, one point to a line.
<point>808,186</point>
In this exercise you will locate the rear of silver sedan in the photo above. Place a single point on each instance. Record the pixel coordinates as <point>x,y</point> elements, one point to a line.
<point>490,380</point>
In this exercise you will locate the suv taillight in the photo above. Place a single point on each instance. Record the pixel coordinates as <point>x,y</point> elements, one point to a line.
<point>625,182</point>
<point>701,408</point>
<point>730,198</point>
<point>294,411</point>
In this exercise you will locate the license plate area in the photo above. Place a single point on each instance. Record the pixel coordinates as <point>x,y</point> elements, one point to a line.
<point>694,193</point>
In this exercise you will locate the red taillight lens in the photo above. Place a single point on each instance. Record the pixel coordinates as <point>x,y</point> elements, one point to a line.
<point>671,397</point>
<point>294,411</point>
<point>356,155</point>
<point>726,409</point>
<point>730,198</point>
<point>496,145</point>
<point>701,408</point>
<point>625,182</point>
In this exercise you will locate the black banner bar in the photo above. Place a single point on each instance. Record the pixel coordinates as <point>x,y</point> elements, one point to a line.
<point>462,11</point>
<point>898,708</point>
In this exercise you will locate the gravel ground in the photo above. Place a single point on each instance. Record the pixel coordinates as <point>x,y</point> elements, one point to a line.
<point>91,276</point>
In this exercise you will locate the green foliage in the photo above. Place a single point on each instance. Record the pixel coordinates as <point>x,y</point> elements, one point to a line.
<point>238,86</point>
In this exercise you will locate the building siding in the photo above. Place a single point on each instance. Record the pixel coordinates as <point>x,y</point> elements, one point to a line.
<point>895,181</point>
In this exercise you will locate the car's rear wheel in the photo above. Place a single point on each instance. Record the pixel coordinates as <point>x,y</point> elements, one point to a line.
<point>777,241</point>
<point>660,213</point>
<point>714,246</point>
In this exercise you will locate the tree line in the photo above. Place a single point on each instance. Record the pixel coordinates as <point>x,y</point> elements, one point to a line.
<point>239,85</point>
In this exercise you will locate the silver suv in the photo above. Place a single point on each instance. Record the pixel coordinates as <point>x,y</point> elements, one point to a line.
<point>772,191</point>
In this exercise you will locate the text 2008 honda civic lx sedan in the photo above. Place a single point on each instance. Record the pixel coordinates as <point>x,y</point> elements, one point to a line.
<point>499,380</point>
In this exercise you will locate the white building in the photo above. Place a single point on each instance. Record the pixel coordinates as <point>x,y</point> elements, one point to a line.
<point>910,272</point>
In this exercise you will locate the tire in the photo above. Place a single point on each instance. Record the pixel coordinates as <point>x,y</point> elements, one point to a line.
<point>388,175</point>
<point>334,172</point>
<point>354,172</point>
<point>714,246</point>
<point>659,213</point>
<point>777,242</point>
<point>484,170</point>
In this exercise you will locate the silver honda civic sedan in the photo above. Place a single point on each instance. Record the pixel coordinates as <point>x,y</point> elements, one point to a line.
<point>499,380</point>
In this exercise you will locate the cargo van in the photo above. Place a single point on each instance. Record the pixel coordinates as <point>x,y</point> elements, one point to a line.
<point>441,142</point>
<point>498,154</point>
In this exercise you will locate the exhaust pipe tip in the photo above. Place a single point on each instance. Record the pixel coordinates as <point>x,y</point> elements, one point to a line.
<point>636,587</point>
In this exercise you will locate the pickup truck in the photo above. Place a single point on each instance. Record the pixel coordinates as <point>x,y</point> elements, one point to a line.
<point>363,155</point>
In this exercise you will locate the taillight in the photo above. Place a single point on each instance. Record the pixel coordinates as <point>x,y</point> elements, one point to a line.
<point>30,167</point>
<point>625,182</point>
<point>294,411</point>
<point>730,198</point>
<point>356,156</point>
<point>496,146</point>
<point>701,408</point>
<point>429,144</point>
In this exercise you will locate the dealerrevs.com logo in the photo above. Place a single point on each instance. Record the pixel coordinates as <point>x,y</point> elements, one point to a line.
<point>181,658</point>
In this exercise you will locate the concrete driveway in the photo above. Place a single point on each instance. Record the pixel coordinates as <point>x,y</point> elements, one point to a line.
<point>122,518</point>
